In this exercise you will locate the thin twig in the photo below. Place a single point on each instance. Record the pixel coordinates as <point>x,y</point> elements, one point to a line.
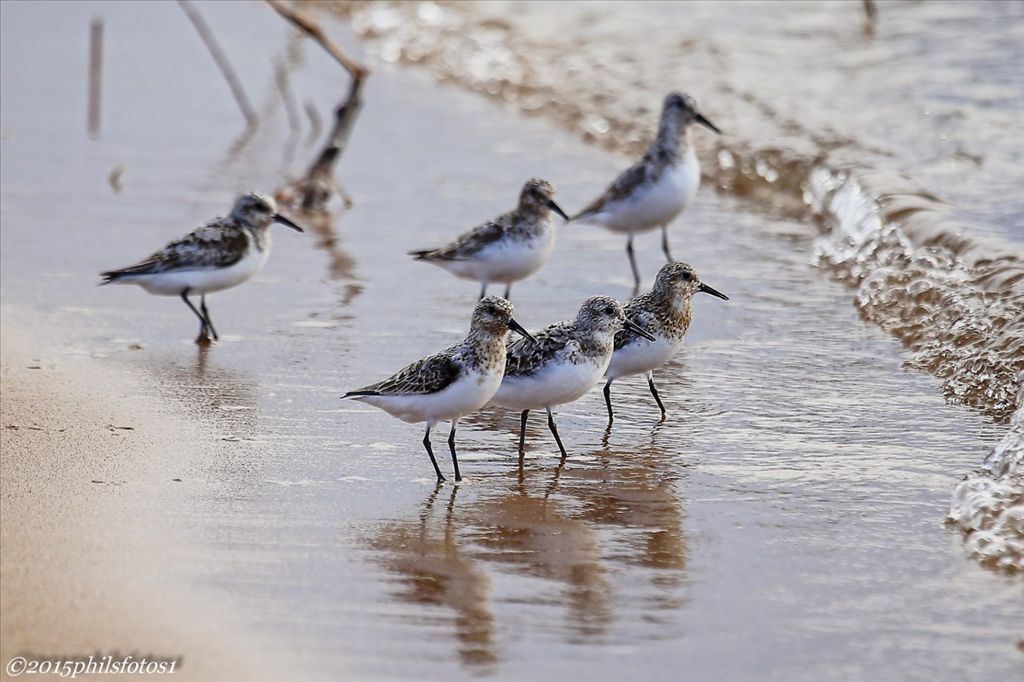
<point>95,75</point>
<point>316,124</point>
<point>284,87</point>
<point>251,119</point>
<point>313,30</point>
<point>870,17</point>
<point>316,188</point>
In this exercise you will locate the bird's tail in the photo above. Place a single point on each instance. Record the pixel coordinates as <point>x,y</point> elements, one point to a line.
<point>423,254</point>
<point>584,215</point>
<point>146,267</point>
<point>111,276</point>
<point>356,394</point>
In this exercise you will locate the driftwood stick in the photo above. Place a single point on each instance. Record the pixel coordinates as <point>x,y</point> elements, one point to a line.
<point>315,123</point>
<point>251,119</point>
<point>316,188</point>
<point>870,17</point>
<point>284,87</point>
<point>95,75</point>
<point>313,30</point>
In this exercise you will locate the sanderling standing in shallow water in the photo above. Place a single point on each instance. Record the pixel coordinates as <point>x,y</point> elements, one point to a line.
<point>221,254</point>
<point>660,186</point>
<point>507,249</point>
<point>450,384</point>
<point>563,362</point>
<point>665,313</point>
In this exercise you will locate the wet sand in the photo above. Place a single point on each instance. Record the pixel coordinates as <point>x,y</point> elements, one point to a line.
<point>88,529</point>
<point>785,523</point>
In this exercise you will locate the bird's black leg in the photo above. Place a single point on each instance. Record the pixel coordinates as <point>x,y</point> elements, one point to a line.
<point>522,433</point>
<point>206,314</point>
<point>654,392</point>
<point>204,335</point>
<point>664,243</point>
<point>632,263</point>
<point>554,431</point>
<point>508,291</point>
<point>608,400</point>
<point>430,451</point>
<point>451,446</point>
<point>483,290</point>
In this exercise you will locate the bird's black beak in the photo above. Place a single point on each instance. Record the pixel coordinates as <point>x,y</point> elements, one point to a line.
<point>704,288</point>
<point>637,329</point>
<point>518,329</point>
<point>278,218</point>
<point>699,118</point>
<point>557,209</point>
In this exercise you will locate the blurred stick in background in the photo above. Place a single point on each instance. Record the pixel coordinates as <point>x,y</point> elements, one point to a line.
<point>316,188</point>
<point>315,124</point>
<point>291,108</point>
<point>95,76</point>
<point>251,119</point>
<point>284,87</point>
<point>870,17</point>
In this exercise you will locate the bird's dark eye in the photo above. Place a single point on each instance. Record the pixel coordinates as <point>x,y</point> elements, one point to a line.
<point>492,310</point>
<point>609,310</point>
<point>687,277</point>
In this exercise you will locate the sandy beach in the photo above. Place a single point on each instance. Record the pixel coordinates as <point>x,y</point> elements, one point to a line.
<point>89,503</point>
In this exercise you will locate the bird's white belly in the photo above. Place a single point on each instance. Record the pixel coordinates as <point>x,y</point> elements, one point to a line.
<point>642,356</point>
<point>659,203</point>
<point>465,395</point>
<point>204,281</point>
<point>554,384</point>
<point>505,261</point>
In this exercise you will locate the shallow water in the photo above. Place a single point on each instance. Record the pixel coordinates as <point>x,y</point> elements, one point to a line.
<point>907,156</point>
<point>784,523</point>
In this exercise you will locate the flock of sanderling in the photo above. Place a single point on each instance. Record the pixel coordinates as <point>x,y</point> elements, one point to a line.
<point>550,367</point>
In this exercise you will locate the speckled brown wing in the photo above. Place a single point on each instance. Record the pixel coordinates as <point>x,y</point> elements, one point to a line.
<point>638,310</point>
<point>423,377</point>
<point>525,356</point>
<point>623,185</point>
<point>210,246</point>
<point>468,244</point>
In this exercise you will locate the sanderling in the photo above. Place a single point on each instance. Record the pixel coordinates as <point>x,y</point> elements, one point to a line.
<point>660,186</point>
<point>221,254</point>
<point>507,249</point>
<point>665,313</point>
<point>450,384</point>
<point>563,362</point>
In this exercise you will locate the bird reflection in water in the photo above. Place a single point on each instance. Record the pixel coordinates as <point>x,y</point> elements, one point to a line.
<point>587,549</point>
<point>633,492</point>
<point>530,532</point>
<point>433,570</point>
<point>341,265</point>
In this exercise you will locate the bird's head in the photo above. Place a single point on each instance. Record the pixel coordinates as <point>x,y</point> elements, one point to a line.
<point>259,211</point>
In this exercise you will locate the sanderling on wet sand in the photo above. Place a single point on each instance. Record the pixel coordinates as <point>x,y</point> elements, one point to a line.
<point>562,362</point>
<point>221,254</point>
<point>450,384</point>
<point>507,249</point>
<point>665,313</point>
<point>657,188</point>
